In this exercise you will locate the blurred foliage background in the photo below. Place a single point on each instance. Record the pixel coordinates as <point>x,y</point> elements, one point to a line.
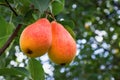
<point>96,24</point>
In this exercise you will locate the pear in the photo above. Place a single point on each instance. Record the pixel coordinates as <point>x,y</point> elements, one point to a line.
<point>63,48</point>
<point>36,38</point>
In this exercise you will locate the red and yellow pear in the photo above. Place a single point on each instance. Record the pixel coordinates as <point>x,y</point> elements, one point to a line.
<point>36,38</point>
<point>63,48</point>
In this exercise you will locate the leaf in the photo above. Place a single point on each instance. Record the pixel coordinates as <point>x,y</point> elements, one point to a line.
<point>14,71</point>
<point>70,31</point>
<point>5,30</point>
<point>36,69</point>
<point>2,60</point>
<point>70,23</point>
<point>57,6</point>
<point>24,6</point>
<point>41,5</point>
<point>28,18</point>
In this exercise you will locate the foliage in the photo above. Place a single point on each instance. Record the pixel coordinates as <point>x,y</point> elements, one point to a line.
<point>95,23</point>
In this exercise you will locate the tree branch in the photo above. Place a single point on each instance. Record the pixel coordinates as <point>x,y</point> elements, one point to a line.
<point>4,4</point>
<point>14,34</point>
<point>11,7</point>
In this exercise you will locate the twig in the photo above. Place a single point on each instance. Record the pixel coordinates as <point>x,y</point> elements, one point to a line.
<point>11,7</point>
<point>14,34</point>
<point>3,4</point>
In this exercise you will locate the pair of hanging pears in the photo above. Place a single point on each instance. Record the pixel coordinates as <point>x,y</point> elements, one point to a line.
<point>43,36</point>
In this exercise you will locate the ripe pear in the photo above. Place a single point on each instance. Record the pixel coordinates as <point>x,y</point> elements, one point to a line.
<point>36,38</point>
<point>63,48</point>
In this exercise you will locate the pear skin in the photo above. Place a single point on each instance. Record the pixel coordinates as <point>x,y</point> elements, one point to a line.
<point>35,40</point>
<point>63,48</point>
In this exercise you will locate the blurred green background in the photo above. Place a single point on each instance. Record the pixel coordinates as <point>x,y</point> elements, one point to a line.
<point>96,27</point>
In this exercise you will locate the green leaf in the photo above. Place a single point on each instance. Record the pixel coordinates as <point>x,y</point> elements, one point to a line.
<point>14,71</point>
<point>5,30</point>
<point>41,5</point>
<point>57,6</point>
<point>70,31</point>
<point>2,60</point>
<point>24,6</point>
<point>36,69</point>
<point>28,18</point>
<point>70,23</point>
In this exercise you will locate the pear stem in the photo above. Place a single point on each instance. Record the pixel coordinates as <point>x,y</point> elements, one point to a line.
<point>50,14</point>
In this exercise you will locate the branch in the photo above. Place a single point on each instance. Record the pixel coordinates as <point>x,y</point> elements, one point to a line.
<point>14,34</point>
<point>11,7</point>
<point>4,4</point>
